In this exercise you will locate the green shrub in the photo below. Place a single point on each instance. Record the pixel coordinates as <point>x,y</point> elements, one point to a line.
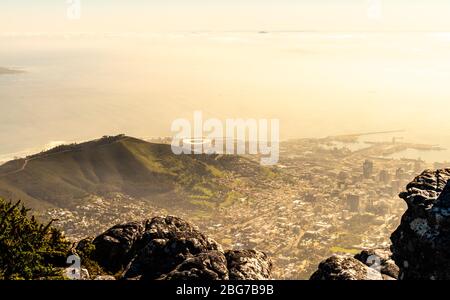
<point>28,249</point>
<point>86,252</point>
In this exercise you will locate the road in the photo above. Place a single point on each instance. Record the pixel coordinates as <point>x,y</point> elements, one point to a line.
<point>25,163</point>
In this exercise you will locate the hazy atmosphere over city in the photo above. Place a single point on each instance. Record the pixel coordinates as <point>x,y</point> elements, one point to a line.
<point>135,67</point>
<point>353,96</point>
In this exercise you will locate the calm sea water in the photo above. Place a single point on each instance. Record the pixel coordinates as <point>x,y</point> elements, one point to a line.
<point>430,157</point>
<point>317,84</point>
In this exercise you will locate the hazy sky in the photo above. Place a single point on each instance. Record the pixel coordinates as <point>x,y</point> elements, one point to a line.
<point>176,15</point>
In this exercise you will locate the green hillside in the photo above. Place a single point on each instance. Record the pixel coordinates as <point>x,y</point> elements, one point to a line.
<point>63,176</point>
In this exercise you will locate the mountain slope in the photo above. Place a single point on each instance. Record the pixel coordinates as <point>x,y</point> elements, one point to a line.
<point>65,175</point>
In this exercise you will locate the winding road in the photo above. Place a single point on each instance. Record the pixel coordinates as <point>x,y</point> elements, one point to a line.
<point>25,163</point>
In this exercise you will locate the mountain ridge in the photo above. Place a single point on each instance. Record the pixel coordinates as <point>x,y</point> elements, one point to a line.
<point>65,174</point>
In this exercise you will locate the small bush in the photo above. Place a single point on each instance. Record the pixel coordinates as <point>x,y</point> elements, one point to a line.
<point>28,249</point>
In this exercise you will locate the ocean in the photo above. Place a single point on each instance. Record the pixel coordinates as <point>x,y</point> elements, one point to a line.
<point>83,86</point>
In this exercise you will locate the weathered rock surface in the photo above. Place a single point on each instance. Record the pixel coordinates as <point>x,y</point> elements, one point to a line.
<point>380,260</point>
<point>248,265</point>
<point>342,267</point>
<point>371,264</point>
<point>171,248</point>
<point>210,265</point>
<point>167,242</point>
<point>421,244</point>
<point>116,247</point>
<point>105,277</point>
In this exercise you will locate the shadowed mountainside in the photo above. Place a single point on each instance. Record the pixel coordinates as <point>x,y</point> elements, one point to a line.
<point>63,176</point>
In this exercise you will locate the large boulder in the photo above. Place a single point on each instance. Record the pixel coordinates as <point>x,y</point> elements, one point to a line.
<point>248,265</point>
<point>116,247</point>
<point>167,242</point>
<point>421,244</point>
<point>343,267</point>
<point>171,248</point>
<point>369,264</point>
<point>210,265</point>
<point>380,260</point>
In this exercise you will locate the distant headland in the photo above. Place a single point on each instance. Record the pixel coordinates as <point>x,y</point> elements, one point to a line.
<point>9,71</point>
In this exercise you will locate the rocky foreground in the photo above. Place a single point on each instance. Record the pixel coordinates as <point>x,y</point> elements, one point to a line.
<point>420,245</point>
<point>168,248</point>
<point>368,265</point>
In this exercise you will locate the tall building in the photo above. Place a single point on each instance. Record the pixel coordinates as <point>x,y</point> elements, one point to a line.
<point>384,177</point>
<point>353,202</point>
<point>396,186</point>
<point>367,169</point>
<point>372,195</point>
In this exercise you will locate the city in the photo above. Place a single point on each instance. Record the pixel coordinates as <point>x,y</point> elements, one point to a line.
<point>320,199</point>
